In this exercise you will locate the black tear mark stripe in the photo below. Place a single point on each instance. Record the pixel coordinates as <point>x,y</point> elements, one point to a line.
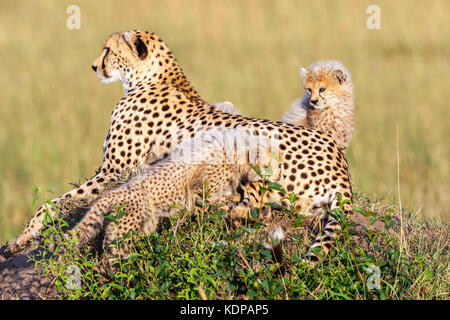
<point>103,62</point>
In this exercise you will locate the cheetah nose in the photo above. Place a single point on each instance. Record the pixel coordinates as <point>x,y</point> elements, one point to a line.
<point>94,67</point>
<point>314,102</point>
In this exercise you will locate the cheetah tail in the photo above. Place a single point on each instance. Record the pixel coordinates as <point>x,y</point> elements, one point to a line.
<point>277,237</point>
<point>326,236</point>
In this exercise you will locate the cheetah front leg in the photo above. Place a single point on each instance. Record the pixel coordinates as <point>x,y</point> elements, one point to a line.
<point>139,217</point>
<point>93,222</point>
<point>89,190</point>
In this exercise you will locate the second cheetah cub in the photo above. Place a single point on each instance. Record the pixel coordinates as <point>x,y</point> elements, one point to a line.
<point>328,103</point>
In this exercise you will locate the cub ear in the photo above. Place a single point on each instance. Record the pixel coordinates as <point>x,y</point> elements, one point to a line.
<point>141,48</point>
<point>340,76</point>
<point>303,73</point>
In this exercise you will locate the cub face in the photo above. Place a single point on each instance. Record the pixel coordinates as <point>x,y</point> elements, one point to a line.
<point>325,82</point>
<point>130,56</point>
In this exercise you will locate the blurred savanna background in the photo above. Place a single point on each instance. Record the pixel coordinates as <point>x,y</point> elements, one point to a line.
<point>54,112</point>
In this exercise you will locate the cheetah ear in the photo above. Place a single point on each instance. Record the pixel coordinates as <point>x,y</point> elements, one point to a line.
<point>340,75</point>
<point>141,48</point>
<point>303,73</point>
<point>135,44</point>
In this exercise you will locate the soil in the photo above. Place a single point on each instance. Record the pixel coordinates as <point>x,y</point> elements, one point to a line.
<point>19,279</point>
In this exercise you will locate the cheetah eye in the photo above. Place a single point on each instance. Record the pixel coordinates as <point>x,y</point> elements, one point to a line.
<point>309,90</point>
<point>322,89</point>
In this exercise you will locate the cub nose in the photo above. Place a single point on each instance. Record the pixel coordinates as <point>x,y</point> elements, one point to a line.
<point>94,67</point>
<point>314,102</point>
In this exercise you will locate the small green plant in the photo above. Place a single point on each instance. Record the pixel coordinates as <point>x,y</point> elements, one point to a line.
<point>266,185</point>
<point>199,255</point>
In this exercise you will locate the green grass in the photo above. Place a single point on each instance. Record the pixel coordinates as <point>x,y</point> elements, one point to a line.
<point>204,257</point>
<point>54,113</point>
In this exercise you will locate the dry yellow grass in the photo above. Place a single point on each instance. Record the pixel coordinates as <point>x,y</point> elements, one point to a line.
<point>54,113</point>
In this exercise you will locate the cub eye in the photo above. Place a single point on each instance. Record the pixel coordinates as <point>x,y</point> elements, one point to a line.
<point>322,89</point>
<point>309,90</point>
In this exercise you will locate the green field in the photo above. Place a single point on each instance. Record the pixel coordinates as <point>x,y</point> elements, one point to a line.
<point>54,112</point>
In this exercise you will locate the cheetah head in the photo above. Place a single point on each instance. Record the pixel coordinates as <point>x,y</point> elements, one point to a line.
<point>132,57</point>
<point>325,83</point>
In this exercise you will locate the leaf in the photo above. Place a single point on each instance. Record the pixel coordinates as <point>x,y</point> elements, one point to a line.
<point>210,279</point>
<point>360,210</point>
<point>267,254</point>
<point>200,203</point>
<point>292,198</point>
<point>47,218</point>
<point>299,220</point>
<point>220,273</point>
<point>263,190</point>
<point>52,204</point>
<point>248,230</point>
<point>118,287</point>
<point>337,214</point>
<point>111,218</point>
<point>276,186</point>
<point>268,171</point>
<point>257,170</point>
<point>206,187</point>
<point>64,223</point>
<point>35,199</point>
<point>121,214</point>
<point>274,205</point>
<point>254,213</point>
<point>229,287</point>
<point>35,190</point>
<point>372,220</point>
<point>133,256</point>
<point>389,224</point>
<point>266,284</point>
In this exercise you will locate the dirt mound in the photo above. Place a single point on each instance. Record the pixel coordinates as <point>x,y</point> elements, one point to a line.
<point>19,279</point>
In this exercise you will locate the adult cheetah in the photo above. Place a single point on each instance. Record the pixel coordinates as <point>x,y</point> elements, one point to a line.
<point>160,109</point>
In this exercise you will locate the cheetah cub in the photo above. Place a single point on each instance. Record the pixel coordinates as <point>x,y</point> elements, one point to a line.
<point>327,105</point>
